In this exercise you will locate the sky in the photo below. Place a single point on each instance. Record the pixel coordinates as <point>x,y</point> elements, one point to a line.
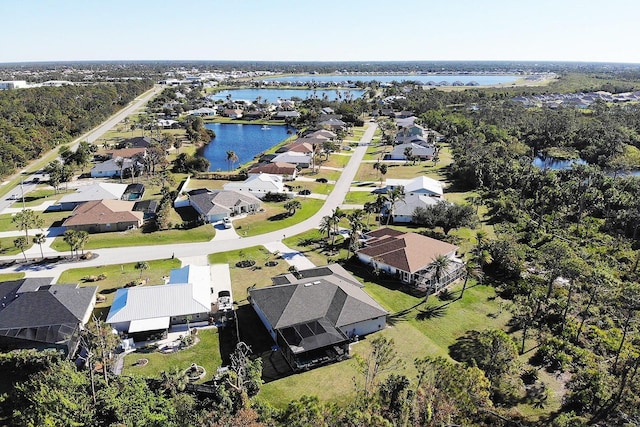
<point>320,30</point>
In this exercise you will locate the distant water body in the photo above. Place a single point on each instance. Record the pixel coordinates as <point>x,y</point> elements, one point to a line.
<point>247,141</point>
<point>444,79</point>
<point>272,95</point>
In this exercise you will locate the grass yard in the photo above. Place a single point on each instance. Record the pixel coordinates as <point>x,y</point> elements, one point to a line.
<point>119,239</point>
<point>479,309</point>
<point>310,244</point>
<point>376,152</point>
<point>5,277</point>
<point>206,353</point>
<point>211,184</point>
<point>243,278</point>
<point>117,276</point>
<point>8,248</point>
<point>337,160</point>
<point>49,219</point>
<point>322,173</point>
<point>359,197</point>
<point>274,217</point>
<point>314,187</point>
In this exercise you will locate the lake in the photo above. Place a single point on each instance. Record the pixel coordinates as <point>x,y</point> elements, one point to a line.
<point>246,140</point>
<point>556,164</point>
<point>272,95</point>
<point>448,79</point>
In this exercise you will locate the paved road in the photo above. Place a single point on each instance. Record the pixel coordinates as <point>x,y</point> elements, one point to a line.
<point>148,253</point>
<point>29,182</point>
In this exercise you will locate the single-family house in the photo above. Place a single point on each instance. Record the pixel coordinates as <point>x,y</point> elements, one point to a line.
<point>410,258</point>
<point>298,147</point>
<point>214,205</point>
<point>137,142</point>
<point>284,115</point>
<point>287,171</point>
<point>203,112</point>
<point>313,315</point>
<point>233,113</point>
<point>92,192</point>
<point>258,185</point>
<point>332,124</point>
<point>36,314</point>
<point>403,210</point>
<point>127,153</point>
<point>100,216</point>
<point>144,310</point>
<point>321,133</point>
<point>299,159</point>
<point>418,185</point>
<point>114,167</point>
<point>420,151</point>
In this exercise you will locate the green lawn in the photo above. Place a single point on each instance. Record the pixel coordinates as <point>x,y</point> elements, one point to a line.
<point>274,217</point>
<point>206,353</point>
<point>479,309</point>
<point>376,152</point>
<point>119,239</point>
<point>5,277</point>
<point>243,278</point>
<point>311,244</point>
<point>49,219</point>
<point>359,197</point>
<point>321,173</point>
<point>117,276</point>
<point>337,161</point>
<point>314,187</point>
<point>7,247</point>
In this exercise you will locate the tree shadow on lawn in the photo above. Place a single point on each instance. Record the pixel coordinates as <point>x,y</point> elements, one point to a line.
<point>432,312</point>
<point>278,217</point>
<point>466,347</point>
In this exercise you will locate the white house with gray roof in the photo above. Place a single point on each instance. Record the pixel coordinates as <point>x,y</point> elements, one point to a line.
<point>258,185</point>
<point>214,205</point>
<point>314,315</point>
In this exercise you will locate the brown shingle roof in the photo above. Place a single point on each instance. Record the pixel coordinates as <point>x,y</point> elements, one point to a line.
<point>277,168</point>
<point>126,153</point>
<point>405,251</point>
<point>104,212</point>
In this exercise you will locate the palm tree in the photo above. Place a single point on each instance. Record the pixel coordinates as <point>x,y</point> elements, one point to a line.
<point>174,381</point>
<point>82,239</point>
<point>326,225</point>
<point>471,269</point>
<point>232,158</point>
<point>120,163</point>
<point>39,239</point>
<point>356,224</point>
<point>26,219</point>
<point>71,238</point>
<point>292,206</point>
<point>369,208</point>
<point>336,216</point>
<point>142,266</point>
<point>440,266</point>
<point>21,243</point>
<point>392,198</point>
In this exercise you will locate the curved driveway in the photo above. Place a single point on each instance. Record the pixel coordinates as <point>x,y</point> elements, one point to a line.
<point>148,253</point>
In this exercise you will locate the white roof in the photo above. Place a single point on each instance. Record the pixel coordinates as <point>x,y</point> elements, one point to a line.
<point>417,184</point>
<point>98,191</point>
<point>410,204</point>
<point>174,299</point>
<point>262,181</point>
<point>149,324</point>
<point>292,157</point>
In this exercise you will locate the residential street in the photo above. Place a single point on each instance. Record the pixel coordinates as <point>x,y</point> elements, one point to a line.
<point>147,253</point>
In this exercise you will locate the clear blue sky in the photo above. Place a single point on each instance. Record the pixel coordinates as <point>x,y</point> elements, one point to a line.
<point>326,30</point>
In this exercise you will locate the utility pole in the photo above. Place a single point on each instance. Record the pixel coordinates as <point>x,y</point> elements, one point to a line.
<point>22,191</point>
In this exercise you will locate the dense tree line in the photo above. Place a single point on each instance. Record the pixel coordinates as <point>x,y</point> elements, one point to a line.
<point>33,121</point>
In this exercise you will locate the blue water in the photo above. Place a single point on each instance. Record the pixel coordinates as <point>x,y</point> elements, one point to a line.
<point>556,164</point>
<point>388,78</point>
<point>246,140</point>
<point>272,95</point>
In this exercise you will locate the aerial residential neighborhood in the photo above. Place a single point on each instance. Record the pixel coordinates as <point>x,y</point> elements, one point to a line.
<point>339,214</point>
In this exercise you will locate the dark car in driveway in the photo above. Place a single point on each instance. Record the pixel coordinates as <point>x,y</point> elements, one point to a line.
<point>304,192</point>
<point>322,180</point>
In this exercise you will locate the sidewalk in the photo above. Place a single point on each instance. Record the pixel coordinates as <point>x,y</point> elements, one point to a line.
<point>291,256</point>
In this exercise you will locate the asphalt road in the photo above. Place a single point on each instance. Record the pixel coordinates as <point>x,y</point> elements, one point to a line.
<point>29,182</point>
<point>148,253</point>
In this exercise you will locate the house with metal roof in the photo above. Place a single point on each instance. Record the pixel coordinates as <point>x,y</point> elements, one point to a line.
<point>299,159</point>
<point>92,192</point>
<point>36,314</point>
<point>410,257</point>
<point>313,315</point>
<point>214,205</point>
<point>146,310</point>
<point>258,185</point>
<point>418,185</point>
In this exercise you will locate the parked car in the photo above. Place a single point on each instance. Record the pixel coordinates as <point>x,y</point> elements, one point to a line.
<point>304,192</point>
<point>322,180</point>
<point>227,222</point>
